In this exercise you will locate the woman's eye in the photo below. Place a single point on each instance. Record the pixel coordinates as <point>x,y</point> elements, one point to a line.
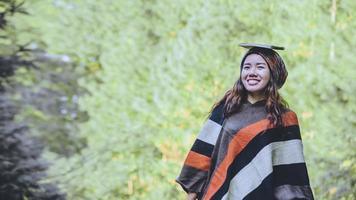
<point>246,67</point>
<point>260,67</point>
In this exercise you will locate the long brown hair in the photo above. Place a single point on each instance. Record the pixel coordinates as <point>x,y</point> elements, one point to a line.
<point>275,104</point>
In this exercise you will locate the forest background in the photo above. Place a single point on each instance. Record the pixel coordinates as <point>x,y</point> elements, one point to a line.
<point>108,96</point>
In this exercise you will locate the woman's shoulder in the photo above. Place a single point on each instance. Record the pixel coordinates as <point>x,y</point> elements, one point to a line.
<point>290,111</point>
<point>217,114</point>
<point>290,117</point>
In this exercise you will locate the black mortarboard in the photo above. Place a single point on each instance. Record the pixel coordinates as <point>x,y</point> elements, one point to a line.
<point>265,46</point>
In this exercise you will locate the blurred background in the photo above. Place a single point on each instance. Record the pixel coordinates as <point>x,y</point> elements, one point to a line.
<point>102,100</point>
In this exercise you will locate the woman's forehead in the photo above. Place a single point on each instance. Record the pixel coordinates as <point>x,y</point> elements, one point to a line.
<point>254,58</point>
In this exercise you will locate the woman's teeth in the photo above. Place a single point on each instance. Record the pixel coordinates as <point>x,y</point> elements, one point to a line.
<point>252,81</point>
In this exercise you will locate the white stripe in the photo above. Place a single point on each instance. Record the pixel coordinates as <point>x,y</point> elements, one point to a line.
<point>210,132</point>
<point>252,175</point>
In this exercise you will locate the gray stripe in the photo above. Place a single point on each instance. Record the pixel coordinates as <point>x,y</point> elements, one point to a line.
<point>210,132</point>
<point>247,116</point>
<point>289,192</point>
<point>252,175</point>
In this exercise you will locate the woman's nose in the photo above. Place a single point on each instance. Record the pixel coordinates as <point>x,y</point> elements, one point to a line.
<point>253,71</point>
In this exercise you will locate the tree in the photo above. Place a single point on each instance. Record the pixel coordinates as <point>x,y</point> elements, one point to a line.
<point>154,68</point>
<point>22,169</point>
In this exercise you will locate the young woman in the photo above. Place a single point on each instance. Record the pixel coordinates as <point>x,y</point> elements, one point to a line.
<point>250,147</point>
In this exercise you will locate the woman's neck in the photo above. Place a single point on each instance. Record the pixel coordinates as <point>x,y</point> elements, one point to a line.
<point>253,98</point>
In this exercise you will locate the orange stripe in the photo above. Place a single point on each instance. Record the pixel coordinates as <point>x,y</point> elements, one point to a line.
<point>237,144</point>
<point>197,161</point>
<point>289,119</point>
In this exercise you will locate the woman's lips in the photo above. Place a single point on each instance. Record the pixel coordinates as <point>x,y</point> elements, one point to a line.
<point>253,81</point>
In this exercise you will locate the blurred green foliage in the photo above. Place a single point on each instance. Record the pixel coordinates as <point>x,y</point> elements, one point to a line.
<point>22,168</point>
<point>153,69</point>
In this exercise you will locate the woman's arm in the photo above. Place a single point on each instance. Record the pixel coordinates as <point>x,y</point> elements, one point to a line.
<point>194,172</point>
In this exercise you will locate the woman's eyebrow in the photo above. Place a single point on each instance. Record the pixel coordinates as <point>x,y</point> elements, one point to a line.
<point>260,63</point>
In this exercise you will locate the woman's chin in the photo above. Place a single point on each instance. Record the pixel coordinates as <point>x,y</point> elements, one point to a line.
<point>254,89</point>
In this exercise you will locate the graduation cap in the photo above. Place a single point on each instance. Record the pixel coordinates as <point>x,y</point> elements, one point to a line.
<point>265,46</point>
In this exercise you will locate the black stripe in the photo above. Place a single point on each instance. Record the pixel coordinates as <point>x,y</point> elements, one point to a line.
<point>191,179</point>
<point>251,150</point>
<point>217,114</point>
<point>293,174</point>
<point>264,191</point>
<point>202,147</point>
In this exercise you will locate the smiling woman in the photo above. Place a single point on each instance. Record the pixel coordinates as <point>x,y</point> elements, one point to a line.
<point>250,147</point>
<point>255,76</point>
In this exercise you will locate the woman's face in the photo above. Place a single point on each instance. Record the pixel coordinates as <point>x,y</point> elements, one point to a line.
<point>255,74</point>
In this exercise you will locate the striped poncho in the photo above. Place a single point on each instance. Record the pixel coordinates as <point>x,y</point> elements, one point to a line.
<point>243,157</point>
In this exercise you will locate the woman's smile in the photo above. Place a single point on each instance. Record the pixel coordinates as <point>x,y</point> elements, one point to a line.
<point>253,82</point>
